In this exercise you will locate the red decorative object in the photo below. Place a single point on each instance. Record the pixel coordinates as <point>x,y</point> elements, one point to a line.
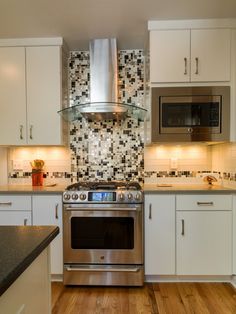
<point>37,178</point>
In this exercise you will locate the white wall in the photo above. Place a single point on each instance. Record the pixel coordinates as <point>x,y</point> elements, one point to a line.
<point>224,157</point>
<point>57,160</point>
<point>187,158</point>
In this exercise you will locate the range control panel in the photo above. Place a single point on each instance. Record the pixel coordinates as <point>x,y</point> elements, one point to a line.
<point>117,196</point>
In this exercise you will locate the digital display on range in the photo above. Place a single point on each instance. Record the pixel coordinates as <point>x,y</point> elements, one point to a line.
<point>102,196</point>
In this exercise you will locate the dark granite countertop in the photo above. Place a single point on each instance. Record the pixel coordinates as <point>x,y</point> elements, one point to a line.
<point>19,247</point>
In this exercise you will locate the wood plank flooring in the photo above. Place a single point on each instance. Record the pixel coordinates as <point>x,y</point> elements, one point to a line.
<point>156,298</point>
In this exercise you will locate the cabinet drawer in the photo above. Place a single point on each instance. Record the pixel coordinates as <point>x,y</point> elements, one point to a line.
<point>204,202</point>
<point>15,202</point>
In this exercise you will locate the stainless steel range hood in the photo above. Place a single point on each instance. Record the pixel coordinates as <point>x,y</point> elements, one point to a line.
<point>103,103</point>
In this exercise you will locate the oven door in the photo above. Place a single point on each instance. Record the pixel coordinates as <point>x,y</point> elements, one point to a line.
<point>103,234</point>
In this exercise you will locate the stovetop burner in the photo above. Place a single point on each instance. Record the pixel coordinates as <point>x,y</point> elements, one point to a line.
<point>104,185</point>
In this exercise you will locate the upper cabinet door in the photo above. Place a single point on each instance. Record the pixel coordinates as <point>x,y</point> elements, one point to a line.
<point>210,55</point>
<point>12,96</point>
<point>169,56</point>
<point>43,70</point>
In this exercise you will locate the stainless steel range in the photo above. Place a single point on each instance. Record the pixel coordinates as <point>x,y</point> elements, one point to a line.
<point>103,234</point>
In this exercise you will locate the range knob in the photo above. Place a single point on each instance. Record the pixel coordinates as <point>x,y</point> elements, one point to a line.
<point>121,196</point>
<point>66,197</point>
<point>82,196</point>
<point>130,196</point>
<point>75,196</point>
<point>138,196</point>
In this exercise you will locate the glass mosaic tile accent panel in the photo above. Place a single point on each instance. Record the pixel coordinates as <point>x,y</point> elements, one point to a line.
<point>108,150</point>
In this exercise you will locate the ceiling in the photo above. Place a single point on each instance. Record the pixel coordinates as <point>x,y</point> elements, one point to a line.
<point>78,21</point>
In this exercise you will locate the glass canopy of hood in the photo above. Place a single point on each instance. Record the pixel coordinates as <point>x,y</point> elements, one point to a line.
<point>98,111</point>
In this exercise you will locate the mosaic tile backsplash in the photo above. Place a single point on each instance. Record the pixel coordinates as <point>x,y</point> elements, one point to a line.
<point>108,150</point>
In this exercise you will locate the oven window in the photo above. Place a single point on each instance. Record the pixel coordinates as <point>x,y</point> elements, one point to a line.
<point>102,233</point>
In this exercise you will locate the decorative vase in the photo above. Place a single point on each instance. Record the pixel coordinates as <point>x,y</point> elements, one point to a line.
<point>37,177</point>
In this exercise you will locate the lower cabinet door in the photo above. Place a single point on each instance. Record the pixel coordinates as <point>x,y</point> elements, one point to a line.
<point>15,218</point>
<point>159,234</point>
<point>47,210</point>
<point>204,242</point>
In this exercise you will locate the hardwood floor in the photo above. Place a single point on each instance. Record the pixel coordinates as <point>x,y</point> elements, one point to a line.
<point>162,298</point>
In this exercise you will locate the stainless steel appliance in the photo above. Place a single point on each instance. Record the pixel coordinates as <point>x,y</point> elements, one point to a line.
<point>103,234</point>
<point>190,113</point>
<point>104,103</point>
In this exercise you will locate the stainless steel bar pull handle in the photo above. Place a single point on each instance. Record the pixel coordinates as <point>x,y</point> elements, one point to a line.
<point>5,203</point>
<point>197,62</point>
<point>132,270</point>
<point>182,222</point>
<point>21,132</point>
<point>56,211</point>
<point>205,203</point>
<point>185,66</point>
<point>25,221</point>
<point>134,209</point>
<point>150,211</point>
<point>31,132</point>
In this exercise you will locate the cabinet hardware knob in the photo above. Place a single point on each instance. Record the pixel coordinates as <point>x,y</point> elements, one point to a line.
<point>185,66</point>
<point>150,211</point>
<point>56,211</point>
<point>197,62</point>
<point>21,132</point>
<point>31,132</point>
<point>182,222</point>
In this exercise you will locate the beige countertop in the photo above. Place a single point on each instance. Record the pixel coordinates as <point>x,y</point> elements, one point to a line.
<point>20,189</point>
<point>187,188</point>
<point>148,188</point>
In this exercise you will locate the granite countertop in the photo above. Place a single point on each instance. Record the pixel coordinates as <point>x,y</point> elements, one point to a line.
<point>49,189</point>
<point>19,247</point>
<point>187,188</point>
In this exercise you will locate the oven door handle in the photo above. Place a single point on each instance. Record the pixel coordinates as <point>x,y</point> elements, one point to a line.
<point>103,209</point>
<point>133,270</point>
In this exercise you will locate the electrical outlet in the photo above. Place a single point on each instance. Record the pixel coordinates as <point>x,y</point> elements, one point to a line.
<point>173,163</point>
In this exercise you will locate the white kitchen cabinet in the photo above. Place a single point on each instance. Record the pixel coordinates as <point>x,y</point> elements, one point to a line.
<point>234,234</point>
<point>12,96</point>
<point>169,56</point>
<point>210,55</point>
<point>15,210</point>
<point>197,55</point>
<point>30,95</point>
<point>159,234</point>
<point>43,73</point>
<point>204,237</point>
<point>31,291</point>
<point>47,210</point>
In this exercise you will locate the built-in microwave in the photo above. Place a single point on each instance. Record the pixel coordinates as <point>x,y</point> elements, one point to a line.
<point>180,114</point>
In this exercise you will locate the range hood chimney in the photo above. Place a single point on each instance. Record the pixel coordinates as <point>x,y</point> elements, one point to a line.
<point>103,70</point>
<point>103,88</point>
